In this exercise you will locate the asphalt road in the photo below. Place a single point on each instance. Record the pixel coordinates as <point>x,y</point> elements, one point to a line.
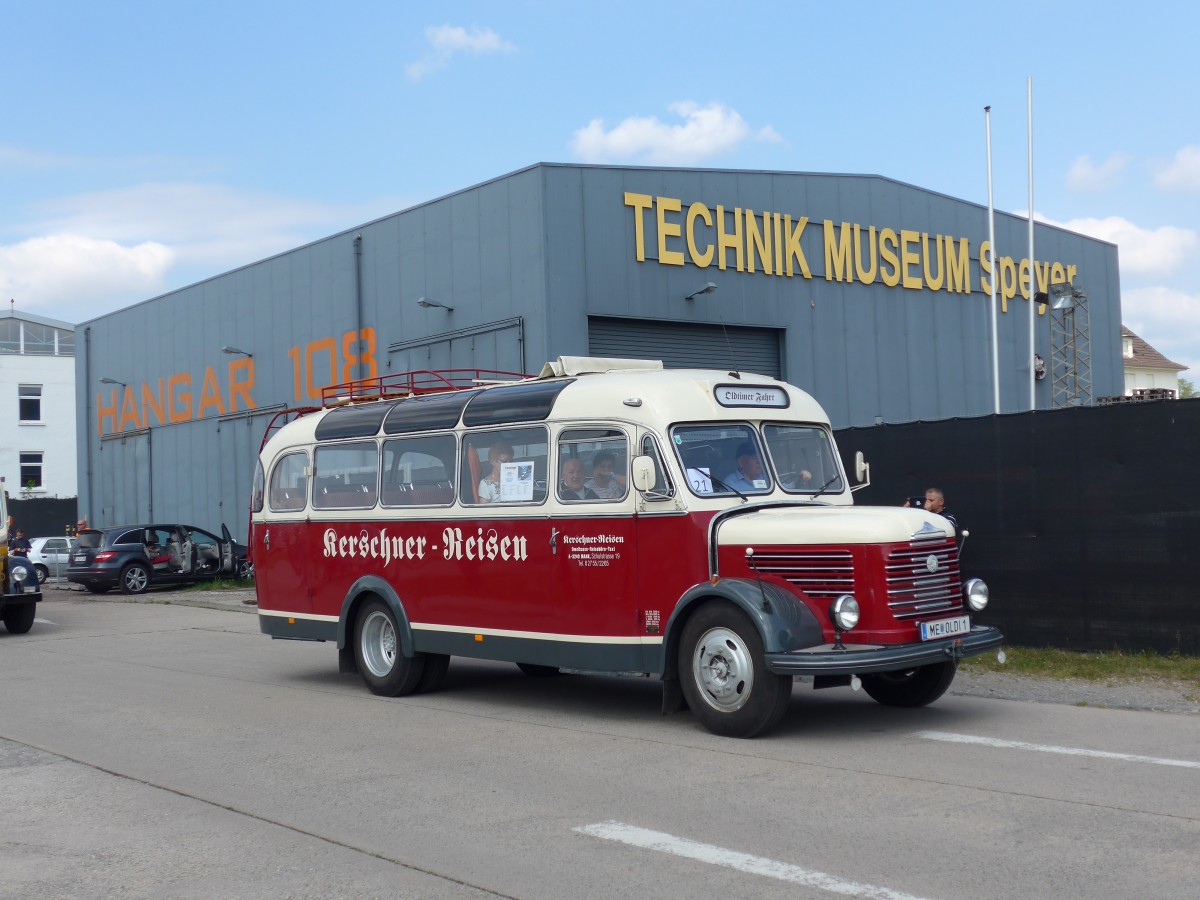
<point>152,750</point>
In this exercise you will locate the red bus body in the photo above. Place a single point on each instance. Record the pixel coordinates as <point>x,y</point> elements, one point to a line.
<point>369,529</point>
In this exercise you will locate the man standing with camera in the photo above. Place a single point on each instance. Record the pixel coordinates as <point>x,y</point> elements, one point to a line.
<point>934,502</point>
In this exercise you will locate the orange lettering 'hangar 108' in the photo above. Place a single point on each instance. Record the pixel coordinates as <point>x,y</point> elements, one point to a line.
<point>606,516</point>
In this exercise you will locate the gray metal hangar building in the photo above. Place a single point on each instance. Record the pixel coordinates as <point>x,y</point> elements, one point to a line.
<point>871,294</point>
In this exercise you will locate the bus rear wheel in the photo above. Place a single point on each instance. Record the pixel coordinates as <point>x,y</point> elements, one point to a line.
<point>724,675</point>
<point>381,661</point>
<point>912,687</point>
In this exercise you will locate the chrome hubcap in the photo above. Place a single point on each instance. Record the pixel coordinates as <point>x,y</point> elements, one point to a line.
<point>723,670</point>
<point>379,644</point>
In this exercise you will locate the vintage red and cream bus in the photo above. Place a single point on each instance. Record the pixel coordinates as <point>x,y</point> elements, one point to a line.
<point>606,516</point>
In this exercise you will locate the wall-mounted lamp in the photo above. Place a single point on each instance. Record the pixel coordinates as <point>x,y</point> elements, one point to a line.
<point>107,380</point>
<point>433,304</point>
<point>708,288</point>
<point>235,351</point>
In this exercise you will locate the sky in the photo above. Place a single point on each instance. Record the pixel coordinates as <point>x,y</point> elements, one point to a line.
<point>145,146</point>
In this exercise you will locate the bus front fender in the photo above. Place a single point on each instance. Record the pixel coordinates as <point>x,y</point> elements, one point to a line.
<point>783,621</point>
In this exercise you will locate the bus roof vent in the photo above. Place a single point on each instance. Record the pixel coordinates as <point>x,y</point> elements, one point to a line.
<point>588,365</point>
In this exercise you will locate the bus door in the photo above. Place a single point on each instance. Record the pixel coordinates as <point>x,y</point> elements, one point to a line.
<point>594,565</point>
<point>672,545</point>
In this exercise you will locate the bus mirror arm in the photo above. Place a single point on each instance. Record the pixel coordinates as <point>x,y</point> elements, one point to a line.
<point>644,475</point>
<point>862,471</point>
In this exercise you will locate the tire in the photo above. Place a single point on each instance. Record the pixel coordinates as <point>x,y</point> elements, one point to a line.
<point>724,674</point>
<point>245,570</point>
<point>19,619</point>
<point>42,572</point>
<point>536,671</point>
<point>434,674</point>
<point>97,588</point>
<point>135,579</point>
<point>383,665</point>
<point>914,687</point>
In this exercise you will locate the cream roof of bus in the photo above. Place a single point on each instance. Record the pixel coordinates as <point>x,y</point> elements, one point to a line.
<point>600,388</point>
<point>675,395</point>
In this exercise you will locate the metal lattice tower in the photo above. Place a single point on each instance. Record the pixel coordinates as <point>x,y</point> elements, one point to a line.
<point>1070,347</point>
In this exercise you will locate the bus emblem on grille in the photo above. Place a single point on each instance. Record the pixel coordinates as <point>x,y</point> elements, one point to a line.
<point>931,563</point>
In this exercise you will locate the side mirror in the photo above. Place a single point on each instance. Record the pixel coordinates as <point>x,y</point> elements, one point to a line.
<point>862,471</point>
<point>644,474</point>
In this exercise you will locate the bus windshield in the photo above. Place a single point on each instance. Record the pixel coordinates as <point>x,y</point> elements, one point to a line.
<point>803,458</point>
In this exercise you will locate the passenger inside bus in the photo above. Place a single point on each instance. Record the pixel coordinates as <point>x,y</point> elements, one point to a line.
<point>489,485</point>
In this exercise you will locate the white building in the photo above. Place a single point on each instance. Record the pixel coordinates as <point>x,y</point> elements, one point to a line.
<point>1147,372</point>
<point>37,406</point>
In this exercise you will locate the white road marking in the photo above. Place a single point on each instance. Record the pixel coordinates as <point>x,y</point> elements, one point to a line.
<point>1049,748</point>
<point>731,859</point>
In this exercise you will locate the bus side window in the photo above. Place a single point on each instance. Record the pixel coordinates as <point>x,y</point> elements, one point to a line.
<point>419,471</point>
<point>288,484</point>
<point>505,466</point>
<point>346,476</point>
<point>662,481</point>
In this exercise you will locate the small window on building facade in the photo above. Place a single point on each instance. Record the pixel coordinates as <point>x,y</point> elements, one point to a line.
<point>31,469</point>
<point>29,399</point>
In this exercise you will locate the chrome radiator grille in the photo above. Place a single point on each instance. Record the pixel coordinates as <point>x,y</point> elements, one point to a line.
<point>923,579</point>
<point>819,573</point>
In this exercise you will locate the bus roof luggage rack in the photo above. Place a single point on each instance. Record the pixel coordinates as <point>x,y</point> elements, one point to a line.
<point>408,384</point>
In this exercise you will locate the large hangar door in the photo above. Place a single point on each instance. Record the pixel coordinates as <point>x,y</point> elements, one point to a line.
<point>122,480</point>
<point>688,345</point>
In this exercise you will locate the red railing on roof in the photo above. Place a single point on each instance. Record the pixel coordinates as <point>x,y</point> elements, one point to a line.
<point>407,384</point>
<point>399,384</point>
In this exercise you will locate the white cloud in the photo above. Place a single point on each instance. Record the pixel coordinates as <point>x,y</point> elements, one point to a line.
<point>1084,175</point>
<point>1169,320</point>
<point>59,275</point>
<point>205,224</point>
<point>91,253</point>
<point>16,159</point>
<point>706,132</point>
<point>447,40</point>
<point>1182,173</point>
<point>1142,251</point>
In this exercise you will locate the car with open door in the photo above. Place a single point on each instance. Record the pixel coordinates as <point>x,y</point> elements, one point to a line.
<point>135,558</point>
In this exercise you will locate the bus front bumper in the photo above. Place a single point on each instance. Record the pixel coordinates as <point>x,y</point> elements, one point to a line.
<point>859,659</point>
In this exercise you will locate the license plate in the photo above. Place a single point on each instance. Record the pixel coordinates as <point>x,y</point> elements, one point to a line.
<point>945,628</point>
<point>80,557</point>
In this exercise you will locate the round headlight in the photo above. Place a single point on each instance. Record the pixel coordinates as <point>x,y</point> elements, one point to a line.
<point>844,612</point>
<point>976,593</point>
<point>19,573</point>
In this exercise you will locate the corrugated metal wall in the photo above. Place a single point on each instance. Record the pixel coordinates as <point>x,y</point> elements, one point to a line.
<point>525,261</point>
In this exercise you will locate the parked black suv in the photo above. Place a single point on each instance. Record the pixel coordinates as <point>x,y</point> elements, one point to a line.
<point>137,557</point>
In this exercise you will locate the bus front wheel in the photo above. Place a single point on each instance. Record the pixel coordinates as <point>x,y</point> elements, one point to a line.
<point>915,687</point>
<point>724,675</point>
<point>384,667</point>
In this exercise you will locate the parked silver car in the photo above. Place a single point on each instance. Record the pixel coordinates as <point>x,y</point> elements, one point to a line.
<point>50,556</point>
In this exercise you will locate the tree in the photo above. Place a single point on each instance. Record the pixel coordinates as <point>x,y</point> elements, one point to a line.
<point>1186,389</point>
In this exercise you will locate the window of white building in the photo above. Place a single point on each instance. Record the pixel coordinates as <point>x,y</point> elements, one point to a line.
<point>29,399</point>
<point>31,469</point>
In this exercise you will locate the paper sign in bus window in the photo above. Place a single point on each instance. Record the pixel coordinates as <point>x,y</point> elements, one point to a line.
<point>701,480</point>
<point>516,481</point>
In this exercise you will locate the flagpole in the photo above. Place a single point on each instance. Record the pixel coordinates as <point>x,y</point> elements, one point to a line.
<point>987,118</point>
<point>1032,258</point>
